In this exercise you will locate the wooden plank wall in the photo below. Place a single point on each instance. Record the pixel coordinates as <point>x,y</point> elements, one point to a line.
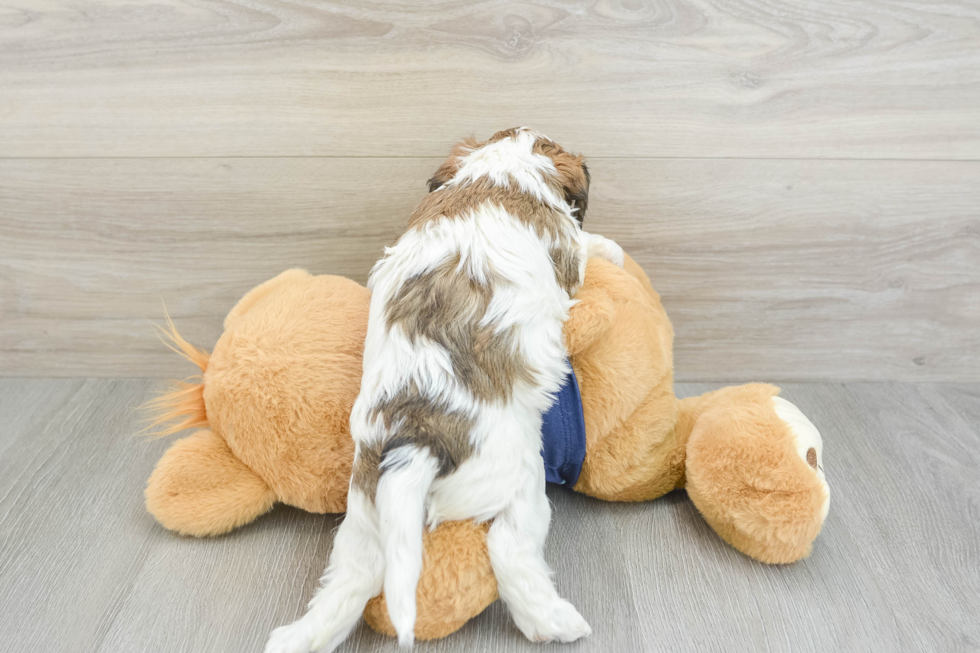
<point>800,179</point>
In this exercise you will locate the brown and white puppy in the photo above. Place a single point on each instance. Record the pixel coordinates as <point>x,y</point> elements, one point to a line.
<point>463,354</point>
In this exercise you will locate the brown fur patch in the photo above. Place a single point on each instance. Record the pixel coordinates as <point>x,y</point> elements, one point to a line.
<point>459,201</point>
<point>565,261</point>
<point>572,180</point>
<point>446,306</point>
<point>367,468</point>
<point>450,167</point>
<point>504,133</point>
<point>418,421</point>
<point>421,422</point>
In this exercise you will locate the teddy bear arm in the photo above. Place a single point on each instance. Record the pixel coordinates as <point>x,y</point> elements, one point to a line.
<point>457,582</point>
<point>200,488</point>
<point>640,457</point>
<point>588,320</point>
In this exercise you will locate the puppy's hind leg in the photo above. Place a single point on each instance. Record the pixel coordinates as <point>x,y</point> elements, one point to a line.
<point>353,576</point>
<point>516,543</point>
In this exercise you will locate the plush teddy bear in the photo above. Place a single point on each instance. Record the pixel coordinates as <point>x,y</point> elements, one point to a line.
<point>277,390</point>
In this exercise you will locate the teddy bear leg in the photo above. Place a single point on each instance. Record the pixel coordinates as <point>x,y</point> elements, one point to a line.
<point>755,472</point>
<point>200,488</point>
<point>457,582</point>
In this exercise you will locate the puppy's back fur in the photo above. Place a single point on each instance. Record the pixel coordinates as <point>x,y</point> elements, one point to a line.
<point>463,354</point>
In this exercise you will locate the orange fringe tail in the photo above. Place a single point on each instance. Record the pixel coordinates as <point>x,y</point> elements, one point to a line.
<point>182,406</point>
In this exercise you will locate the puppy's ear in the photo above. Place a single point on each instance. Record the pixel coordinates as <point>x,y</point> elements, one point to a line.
<point>437,180</point>
<point>573,175</point>
<point>449,169</point>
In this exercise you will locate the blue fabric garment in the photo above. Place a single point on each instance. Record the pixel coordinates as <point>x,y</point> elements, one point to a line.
<point>563,435</point>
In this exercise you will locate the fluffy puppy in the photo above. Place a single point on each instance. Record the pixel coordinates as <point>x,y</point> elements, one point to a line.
<point>463,354</point>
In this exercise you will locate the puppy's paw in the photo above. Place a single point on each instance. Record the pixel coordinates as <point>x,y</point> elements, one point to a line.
<point>297,637</point>
<point>607,249</point>
<point>559,622</point>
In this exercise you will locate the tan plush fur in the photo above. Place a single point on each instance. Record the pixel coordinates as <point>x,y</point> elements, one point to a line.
<point>456,580</point>
<point>746,478</point>
<point>278,388</point>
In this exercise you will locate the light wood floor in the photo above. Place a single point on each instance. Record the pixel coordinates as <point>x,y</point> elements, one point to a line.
<point>800,178</point>
<point>83,568</point>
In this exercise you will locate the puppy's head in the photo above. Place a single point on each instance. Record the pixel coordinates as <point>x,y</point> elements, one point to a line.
<point>570,179</point>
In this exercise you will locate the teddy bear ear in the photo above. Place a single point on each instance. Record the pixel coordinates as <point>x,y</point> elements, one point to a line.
<point>450,167</point>
<point>263,290</point>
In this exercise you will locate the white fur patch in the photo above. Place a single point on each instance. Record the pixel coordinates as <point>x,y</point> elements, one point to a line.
<point>354,575</point>
<point>807,437</point>
<point>400,501</point>
<point>512,159</point>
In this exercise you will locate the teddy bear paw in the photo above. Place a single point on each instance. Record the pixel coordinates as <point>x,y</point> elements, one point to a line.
<point>807,441</point>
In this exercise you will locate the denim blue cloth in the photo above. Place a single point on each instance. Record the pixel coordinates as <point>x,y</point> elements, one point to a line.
<point>563,435</point>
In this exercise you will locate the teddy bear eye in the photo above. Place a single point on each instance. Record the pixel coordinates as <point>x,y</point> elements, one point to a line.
<point>811,457</point>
